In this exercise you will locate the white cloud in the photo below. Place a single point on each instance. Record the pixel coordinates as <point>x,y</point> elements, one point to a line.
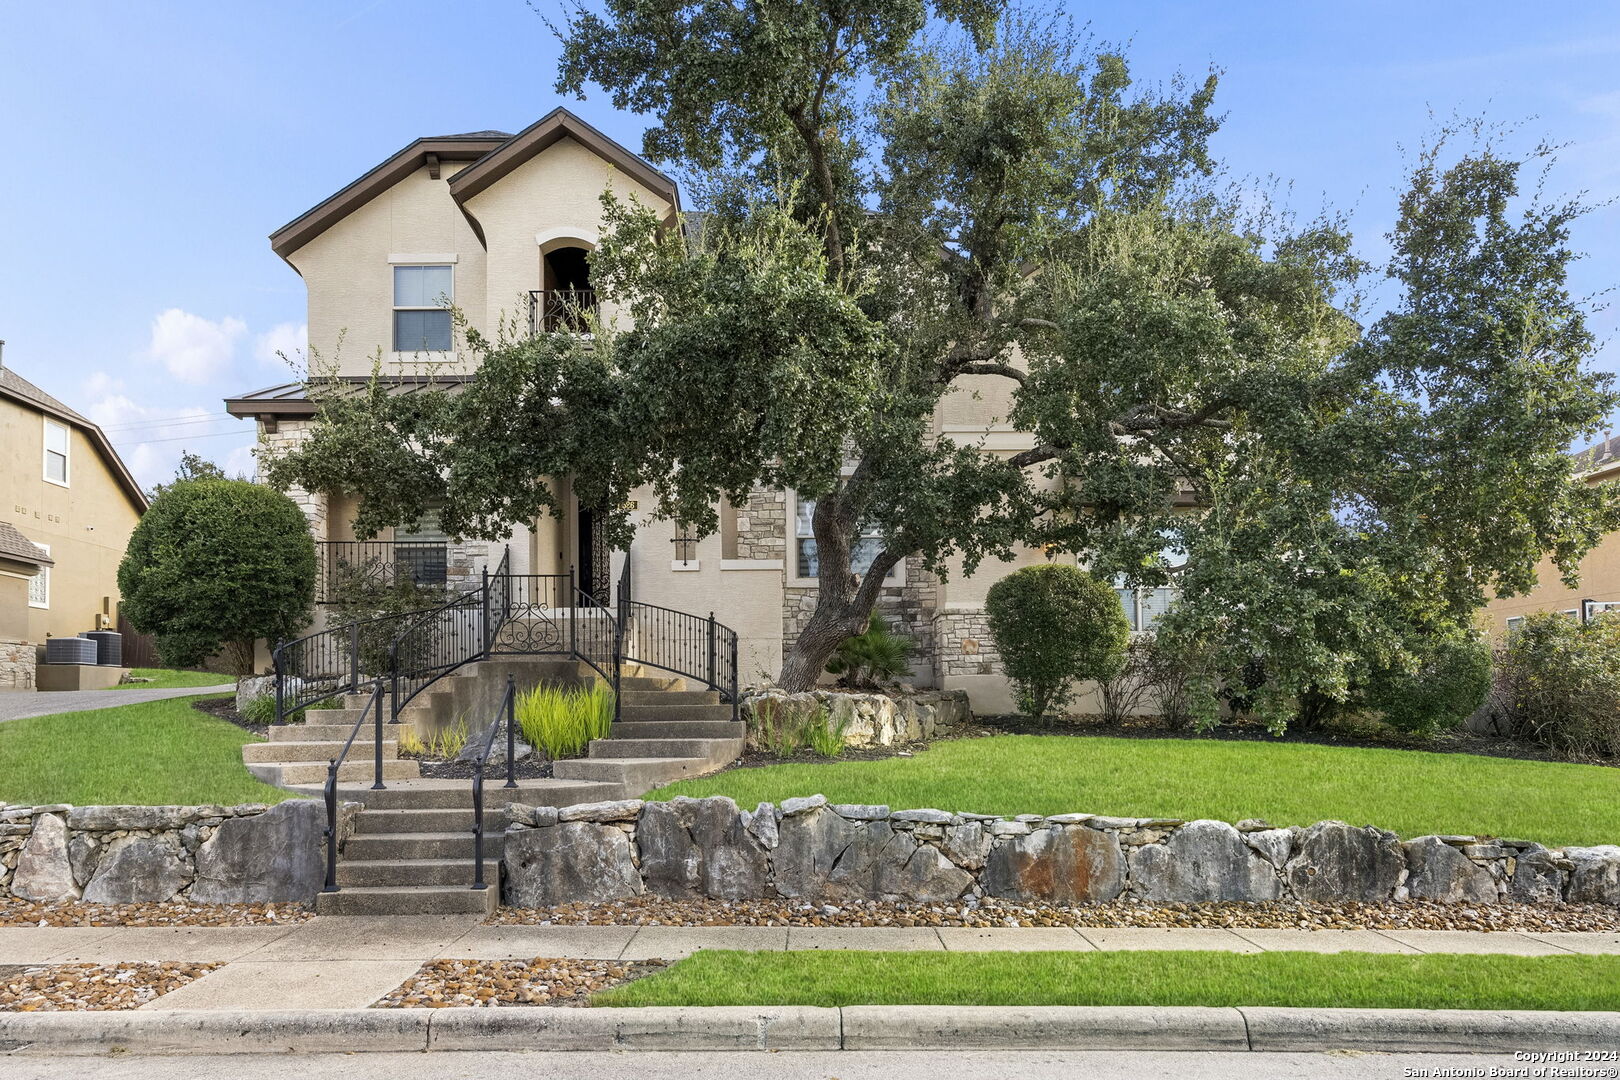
<point>151,438</point>
<point>192,348</point>
<point>283,345</point>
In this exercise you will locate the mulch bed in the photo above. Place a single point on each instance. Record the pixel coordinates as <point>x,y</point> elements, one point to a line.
<point>991,913</point>
<point>80,987</point>
<point>224,708</point>
<point>15,912</point>
<point>533,767</point>
<point>441,984</point>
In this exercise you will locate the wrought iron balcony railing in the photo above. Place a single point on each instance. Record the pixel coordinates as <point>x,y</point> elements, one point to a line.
<point>554,310</point>
<point>352,563</point>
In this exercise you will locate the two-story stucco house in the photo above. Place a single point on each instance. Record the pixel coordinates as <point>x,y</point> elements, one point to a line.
<point>70,506</point>
<point>501,226</point>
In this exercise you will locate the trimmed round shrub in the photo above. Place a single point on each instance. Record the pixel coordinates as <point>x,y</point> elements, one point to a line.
<point>213,566</point>
<point>1451,681</point>
<point>1054,626</point>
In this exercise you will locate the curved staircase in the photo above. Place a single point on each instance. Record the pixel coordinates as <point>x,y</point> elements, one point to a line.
<point>411,848</point>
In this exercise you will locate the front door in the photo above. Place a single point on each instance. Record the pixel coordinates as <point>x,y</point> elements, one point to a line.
<point>593,572</point>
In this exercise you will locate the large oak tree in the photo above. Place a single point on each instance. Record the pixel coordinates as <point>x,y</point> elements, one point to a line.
<point>906,201</point>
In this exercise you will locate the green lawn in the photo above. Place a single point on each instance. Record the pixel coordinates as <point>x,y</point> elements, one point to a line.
<point>168,678</point>
<point>1350,980</point>
<point>155,753</point>
<point>1412,792</point>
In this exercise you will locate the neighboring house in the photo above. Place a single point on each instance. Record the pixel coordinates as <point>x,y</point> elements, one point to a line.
<point>501,226</point>
<point>1599,586</point>
<point>69,498</point>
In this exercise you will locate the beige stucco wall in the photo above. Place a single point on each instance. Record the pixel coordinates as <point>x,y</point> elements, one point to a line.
<point>86,525</point>
<point>351,280</point>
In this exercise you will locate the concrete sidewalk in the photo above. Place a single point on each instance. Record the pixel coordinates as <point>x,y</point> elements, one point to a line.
<point>350,961</point>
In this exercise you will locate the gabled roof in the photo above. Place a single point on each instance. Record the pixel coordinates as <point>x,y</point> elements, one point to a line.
<point>1598,458</point>
<point>320,217</point>
<point>17,388</point>
<point>15,547</point>
<point>494,154</point>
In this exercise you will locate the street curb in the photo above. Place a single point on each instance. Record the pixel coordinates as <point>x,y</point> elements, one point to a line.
<point>748,1028</point>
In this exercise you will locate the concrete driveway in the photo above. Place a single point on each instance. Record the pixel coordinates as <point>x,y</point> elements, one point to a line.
<point>16,704</point>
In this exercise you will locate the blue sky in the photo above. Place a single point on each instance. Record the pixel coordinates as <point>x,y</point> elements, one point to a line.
<point>154,146</point>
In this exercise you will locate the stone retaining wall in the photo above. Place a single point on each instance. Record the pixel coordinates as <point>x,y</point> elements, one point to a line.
<point>133,854</point>
<point>876,719</point>
<point>809,850</point>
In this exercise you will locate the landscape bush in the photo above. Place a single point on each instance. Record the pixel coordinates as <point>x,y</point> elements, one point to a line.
<point>871,658</point>
<point>1558,683</point>
<point>363,592</point>
<point>1452,679</point>
<point>562,720</point>
<point>1055,625</point>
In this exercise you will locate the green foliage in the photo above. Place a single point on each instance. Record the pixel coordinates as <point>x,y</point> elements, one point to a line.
<point>822,736</point>
<point>871,658</point>
<point>880,196</point>
<point>261,709</point>
<point>1153,680</point>
<point>783,727</point>
<point>1055,625</point>
<point>443,744</point>
<point>167,678</point>
<point>365,592</point>
<point>1451,680</point>
<point>217,564</point>
<point>1558,683</point>
<point>562,720</point>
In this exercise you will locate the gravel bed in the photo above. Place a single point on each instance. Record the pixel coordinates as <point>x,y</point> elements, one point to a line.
<point>77,987</point>
<point>441,984</point>
<point>15,912</point>
<point>1404,915</point>
<point>533,767</point>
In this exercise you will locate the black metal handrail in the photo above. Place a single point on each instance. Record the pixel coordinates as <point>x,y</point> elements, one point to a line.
<point>551,310</point>
<point>445,638</point>
<point>373,707</point>
<point>596,640</point>
<point>378,562</point>
<point>329,662</point>
<point>682,643</point>
<point>507,711</point>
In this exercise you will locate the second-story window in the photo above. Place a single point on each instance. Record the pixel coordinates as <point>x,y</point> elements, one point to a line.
<point>422,297</point>
<point>56,452</point>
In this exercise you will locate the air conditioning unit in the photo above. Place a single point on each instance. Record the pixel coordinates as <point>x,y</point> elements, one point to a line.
<point>103,621</point>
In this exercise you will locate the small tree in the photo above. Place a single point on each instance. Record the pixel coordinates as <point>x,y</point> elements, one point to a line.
<point>215,565</point>
<point>1054,626</point>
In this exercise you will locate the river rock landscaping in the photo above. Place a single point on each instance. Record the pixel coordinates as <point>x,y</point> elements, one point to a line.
<point>76,987</point>
<point>808,850</point>
<point>494,983</point>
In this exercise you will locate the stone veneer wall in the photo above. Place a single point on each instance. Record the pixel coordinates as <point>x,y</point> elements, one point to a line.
<point>18,660</point>
<point>964,645</point>
<point>762,525</point>
<point>289,435</point>
<point>808,850</point>
<point>140,854</point>
<point>909,609</point>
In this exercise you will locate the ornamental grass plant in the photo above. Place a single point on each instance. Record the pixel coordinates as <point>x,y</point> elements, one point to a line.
<point>562,720</point>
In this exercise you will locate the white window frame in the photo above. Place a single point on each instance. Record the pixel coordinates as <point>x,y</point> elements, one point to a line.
<point>895,578</point>
<point>44,578</point>
<point>1515,623</point>
<point>395,263</point>
<point>1595,608</point>
<point>66,454</point>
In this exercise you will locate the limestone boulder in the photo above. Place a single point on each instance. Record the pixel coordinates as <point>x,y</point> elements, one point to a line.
<point>497,749</point>
<point>139,869</point>
<point>1437,871</point>
<point>44,869</point>
<point>273,857</point>
<point>1066,865</point>
<point>807,847</point>
<point>574,862</point>
<point>1200,862</point>
<point>1334,861</point>
<point>700,847</point>
<point>1595,878</point>
<point>967,845</point>
<point>1539,877</point>
<point>927,877</point>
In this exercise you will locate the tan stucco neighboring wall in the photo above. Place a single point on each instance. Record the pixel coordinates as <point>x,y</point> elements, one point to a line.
<point>86,525</point>
<point>351,280</point>
<point>1599,580</point>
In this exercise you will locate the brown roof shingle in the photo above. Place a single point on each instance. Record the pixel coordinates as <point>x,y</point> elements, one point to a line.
<point>17,547</point>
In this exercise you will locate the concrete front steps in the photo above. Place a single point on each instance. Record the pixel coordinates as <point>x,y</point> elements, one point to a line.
<point>411,852</point>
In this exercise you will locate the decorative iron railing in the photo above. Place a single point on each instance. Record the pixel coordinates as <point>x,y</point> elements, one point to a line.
<point>437,642</point>
<point>507,714</point>
<point>373,709</point>
<point>555,310</point>
<point>678,642</point>
<point>337,660</point>
<point>344,566</point>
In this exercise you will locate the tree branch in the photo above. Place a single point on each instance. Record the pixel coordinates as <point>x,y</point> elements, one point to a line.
<point>1006,371</point>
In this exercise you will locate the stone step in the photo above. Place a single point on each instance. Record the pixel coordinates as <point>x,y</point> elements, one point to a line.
<point>679,729</point>
<point>336,732</point>
<point>636,775</point>
<point>716,751</point>
<point>316,751</point>
<point>291,774</point>
<point>409,900</point>
<point>660,683</point>
<point>669,697</point>
<point>421,794</point>
<point>416,872</point>
<point>409,847</point>
<point>635,713</point>
<point>445,819</point>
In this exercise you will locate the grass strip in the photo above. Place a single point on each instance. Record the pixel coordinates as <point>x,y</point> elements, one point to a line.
<point>1410,791</point>
<point>1297,979</point>
<point>171,679</point>
<point>154,753</point>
